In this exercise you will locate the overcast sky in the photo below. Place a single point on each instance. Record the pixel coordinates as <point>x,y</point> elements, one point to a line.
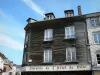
<point>14,13</point>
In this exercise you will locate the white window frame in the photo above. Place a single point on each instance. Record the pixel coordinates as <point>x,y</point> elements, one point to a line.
<point>97,37</point>
<point>49,55</point>
<point>70,49</point>
<point>97,59</point>
<point>48,35</point>
<point>95,20</point>
<point>69,33</point>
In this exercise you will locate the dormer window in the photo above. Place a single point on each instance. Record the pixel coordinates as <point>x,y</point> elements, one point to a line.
<point>49,16</point>
<point>69,13</point>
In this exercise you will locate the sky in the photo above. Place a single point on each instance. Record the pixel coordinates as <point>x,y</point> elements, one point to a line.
<point>14,13</point>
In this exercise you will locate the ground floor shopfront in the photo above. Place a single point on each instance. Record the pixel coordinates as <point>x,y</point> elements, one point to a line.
<point>59,73</point>
<point>57,70</point>
<point>96,70</point>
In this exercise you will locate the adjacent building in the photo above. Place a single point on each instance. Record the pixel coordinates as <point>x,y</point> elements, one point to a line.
<point>57,46</point>
<point>16,69</point>
<point>5,64</point>
<point>93,30</point>
<point>2,58</point>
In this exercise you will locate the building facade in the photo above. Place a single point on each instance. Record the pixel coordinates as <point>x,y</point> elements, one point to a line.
<point>93,28</point>
<point>57,46</point>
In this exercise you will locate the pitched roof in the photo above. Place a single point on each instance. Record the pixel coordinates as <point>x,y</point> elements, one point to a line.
<point>3,56</point>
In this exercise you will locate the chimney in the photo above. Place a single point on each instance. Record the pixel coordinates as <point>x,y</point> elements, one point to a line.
<point>79,10</point>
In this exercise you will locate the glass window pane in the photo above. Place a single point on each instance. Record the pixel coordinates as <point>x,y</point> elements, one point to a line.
<point>26,37</point>
<point>93,22</point>
<point>98,58</point>
<point>98,62</point>
<point>48,34</point>
<point>99,38</point>
<point>48,55</point>
<point>98,55</point>
<point>67,32</point>
<point>95,37</point>
<point>97,22</point>
<point>45,55</point>
<point>73,53</point>
<point>72,32</point>
<point>68,54</point>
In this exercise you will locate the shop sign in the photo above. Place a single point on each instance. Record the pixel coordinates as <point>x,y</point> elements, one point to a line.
<point>57,68</point>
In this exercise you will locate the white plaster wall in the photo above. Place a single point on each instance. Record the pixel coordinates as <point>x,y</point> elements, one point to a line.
<point>93,47</point>
<point>1,63</point>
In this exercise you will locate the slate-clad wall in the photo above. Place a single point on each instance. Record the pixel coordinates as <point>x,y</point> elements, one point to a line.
<point>36,45</point>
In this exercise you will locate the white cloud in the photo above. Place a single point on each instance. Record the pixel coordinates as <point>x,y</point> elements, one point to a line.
<point>34,6</point>
<point>9,42</point>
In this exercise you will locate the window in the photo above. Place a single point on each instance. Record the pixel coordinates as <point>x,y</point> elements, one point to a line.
<point>69,32</point>
<point>49,17</point>
<point>95,22</point>
<point>26,38</point>
<point>69,14</point>
<point>98,59</point>
<point>70,54</point>
<point>96,37</point>
<point>48,55</point>
<point>48,35</point>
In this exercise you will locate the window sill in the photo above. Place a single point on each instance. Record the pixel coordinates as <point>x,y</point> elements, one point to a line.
<point>47,41</point>
<point>71,62</point>
<point>69,39</point>
<point>47,63</point>
<point>95,26</point>
<point>96,43</point>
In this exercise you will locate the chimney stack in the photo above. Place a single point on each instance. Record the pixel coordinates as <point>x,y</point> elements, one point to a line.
<point>79,10</point>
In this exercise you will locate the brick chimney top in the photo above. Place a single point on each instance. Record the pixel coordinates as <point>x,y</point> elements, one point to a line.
<point>79,10</point>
